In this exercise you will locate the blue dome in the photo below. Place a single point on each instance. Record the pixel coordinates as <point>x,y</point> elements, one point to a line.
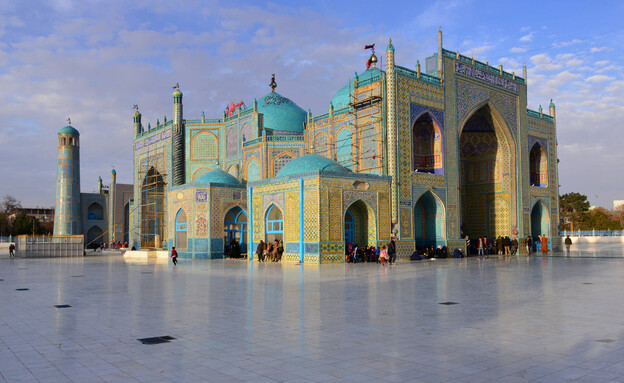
<point>113,171</point>
<point>343,98</point>
<point>281,114</point>
<point>311,163</point>
<point>69,129</point>
<point>218,176</point>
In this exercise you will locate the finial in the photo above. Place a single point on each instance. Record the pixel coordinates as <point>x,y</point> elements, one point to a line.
<point>273,84</point>
<point>176,86</point>
<point>68,120</point>
<point>135,107</point>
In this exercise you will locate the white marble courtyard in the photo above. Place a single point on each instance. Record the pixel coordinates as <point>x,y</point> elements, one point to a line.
<point>522,319</point>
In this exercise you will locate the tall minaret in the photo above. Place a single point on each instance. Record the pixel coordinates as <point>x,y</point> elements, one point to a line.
<point>112,195</point>
<point>136,120</point>
<point>178,139</point>
<point>440,67</point>
<point>67,211</point>
<point>392,130</point>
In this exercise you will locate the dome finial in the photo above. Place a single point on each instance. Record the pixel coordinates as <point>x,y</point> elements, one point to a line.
<point>273,84</point>
<point>68,120</point>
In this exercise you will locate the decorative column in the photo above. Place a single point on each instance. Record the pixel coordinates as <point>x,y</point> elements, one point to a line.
<point>392,130</point>
<point>178,163</point>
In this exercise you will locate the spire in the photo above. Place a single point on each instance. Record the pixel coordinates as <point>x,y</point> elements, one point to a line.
<point>273,84</point>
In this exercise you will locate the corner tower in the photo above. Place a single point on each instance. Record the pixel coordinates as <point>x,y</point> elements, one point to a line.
<point>67,211</point>
<point>178,153</point>
<point>112,195</point>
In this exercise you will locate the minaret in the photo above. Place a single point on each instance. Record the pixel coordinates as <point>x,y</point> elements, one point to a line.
<point>100,186</point>
<point>112,231</point>
<point>440,68</point>
<point>136,120</point>
<point>67,211</point>
<point>551,109</point>
<point>178,139</point>
<point>392,129</point>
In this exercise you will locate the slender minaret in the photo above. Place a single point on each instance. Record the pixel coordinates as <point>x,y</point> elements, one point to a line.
<point>392,129</point>
<point>440,68</point>
<point>67,211</point>
<point>136,120</point>
<point>178,139</point>
<point>551,109</point>
<point>112,189</point>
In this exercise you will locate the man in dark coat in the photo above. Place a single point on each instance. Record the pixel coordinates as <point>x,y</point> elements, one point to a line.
<point>392,251</point>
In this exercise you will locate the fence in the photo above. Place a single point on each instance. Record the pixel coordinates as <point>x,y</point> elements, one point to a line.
<point>8,239</point>
<point>49,246</point>
<point>593,233</point>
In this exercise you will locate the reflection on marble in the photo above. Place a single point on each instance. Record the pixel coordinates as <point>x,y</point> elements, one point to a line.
<point>551,319</point>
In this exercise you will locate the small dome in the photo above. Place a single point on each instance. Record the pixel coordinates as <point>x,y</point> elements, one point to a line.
<point>218,176</point>
<point>311,163</point>
<point>136,114</point>
<point>177,93</point>
<point>113,172</point>
<point>70,130</point>
<point>552,104</point>
<point>281,114</point>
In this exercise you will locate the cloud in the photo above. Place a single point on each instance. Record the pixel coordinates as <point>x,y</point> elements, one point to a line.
<point>598,49</point>
<point>517,50</point>
<point>527,38</point>
<point>543,62</point>
<point>599,78</point>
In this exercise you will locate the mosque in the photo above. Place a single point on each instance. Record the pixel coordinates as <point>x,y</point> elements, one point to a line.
<point>427,156</point>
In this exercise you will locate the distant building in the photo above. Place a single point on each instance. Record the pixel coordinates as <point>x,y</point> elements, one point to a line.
<point>102,216</point>
<point>40,213</point>
<point>618,204</point>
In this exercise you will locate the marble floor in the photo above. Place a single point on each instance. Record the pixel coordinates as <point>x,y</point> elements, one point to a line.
<point>554,319</point>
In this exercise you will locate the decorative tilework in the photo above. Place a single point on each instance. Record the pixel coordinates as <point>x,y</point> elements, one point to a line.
<point>350,196</point>
<point>310,248</point>
<point>201,227</point>
<point>258,219</point>
<point>542,141</point>
<point>406,223</point>
<point>470,95</point>
<point>291,218</point>
<point>311,215</point>
<point>404,250</point>
<point>269,199</point>
<point>335,216</point>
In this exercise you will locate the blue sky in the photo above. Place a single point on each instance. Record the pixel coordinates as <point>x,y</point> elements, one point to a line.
<point>93,59</point>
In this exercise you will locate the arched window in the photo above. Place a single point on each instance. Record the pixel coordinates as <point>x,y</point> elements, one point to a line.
<point>232,142</point>
<point>64,141</point>
<point>538,165</point>
<point>427,146</point>
<point>274,223</point>
<point>205,146</point>
<point>71,141</point>
<point>181,228</point>
<point>235,227</point>
<point>344,148</point>
<point>95,211</point>
<point>246,133</point>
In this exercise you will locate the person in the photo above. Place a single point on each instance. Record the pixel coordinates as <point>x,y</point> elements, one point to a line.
<point>280,251</point>
<point>392,251</point>
<point>260,251</point>
<point>354,253</point>
<point>234,249</point>
<point>268,251</point>
<point>529,244</point>
<point>507,244</point>
<point>568,243</point>
<point>377,252</point>
<point>11,250</point>
<point>383,254</point>
<point>457,253</point>
<point>174,256</point>
<point>467,245</point>
<point>480,249</point>
<point>415,255</point>
<point>514,245</point>
<point>274,251</point>
<point>544,244</point>
<point>500,246</point>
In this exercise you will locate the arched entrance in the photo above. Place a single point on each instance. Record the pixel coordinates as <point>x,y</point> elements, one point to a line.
<point>359,227</point>
<point>95,235</point>
<point>235,227</point>
<point>181,230</point>
<point>538,165</point>
<point>540,220</point>
<point>487,175</point>
<point>152,210</point>
<point>95,211</point>
<point>428,221</point>
<point>427,146</point>
<point>274,224</point>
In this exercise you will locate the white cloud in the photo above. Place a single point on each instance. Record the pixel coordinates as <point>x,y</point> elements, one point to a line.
<point>527,38</point>
<point>517,50</point>
<point>599,78</point>
<point>598,49</point>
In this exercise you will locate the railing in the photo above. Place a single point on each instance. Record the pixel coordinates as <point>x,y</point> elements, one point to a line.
<point>593,233</point>
<point>544,116</point>
<point>8,239</point>
<point>369,80</point>
<point>412,74</point>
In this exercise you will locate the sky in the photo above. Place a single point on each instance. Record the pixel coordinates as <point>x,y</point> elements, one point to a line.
<point>92,60</point>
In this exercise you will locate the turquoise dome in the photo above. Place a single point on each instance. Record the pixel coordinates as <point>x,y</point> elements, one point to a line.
<point>311,163</point>
<point>342,98</point>
<point>281,114</point>
<point>69,129</point>
<point>113,171</point>
<point>218,176</point>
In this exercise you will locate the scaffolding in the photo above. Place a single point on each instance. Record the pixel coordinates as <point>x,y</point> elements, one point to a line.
<point>151,206</point>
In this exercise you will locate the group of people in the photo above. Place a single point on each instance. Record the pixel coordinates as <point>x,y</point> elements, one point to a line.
<point>233,250</point>
<point>503,245</point>
<point>270,251</point>
<point>11,250</point>
<point>355,253</point>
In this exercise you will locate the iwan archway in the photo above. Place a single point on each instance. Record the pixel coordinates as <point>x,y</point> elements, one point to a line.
<point>487,174</point>
<point>359,225</point>
<point>429,221</point>
<point>540,220</point>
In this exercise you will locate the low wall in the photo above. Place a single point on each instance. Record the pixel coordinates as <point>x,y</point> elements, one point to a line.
<point>49,246</point>
<point>595,239</point>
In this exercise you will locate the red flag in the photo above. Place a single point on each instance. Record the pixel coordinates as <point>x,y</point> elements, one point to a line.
<point>372,46</point>
<point>368,64</point>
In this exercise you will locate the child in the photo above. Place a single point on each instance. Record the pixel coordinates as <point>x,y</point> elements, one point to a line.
<point>174,255</point>
<point>383,255</point>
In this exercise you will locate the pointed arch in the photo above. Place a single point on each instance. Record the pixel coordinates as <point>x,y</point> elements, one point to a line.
<point>280,160</point>
<point>232,142</point>
<point>321,144</point>
<point>538,166</point>
<point>181,230</point>
<point>95,211</point>
<point>427,144</point>
<point>360,224</point>
<point>152,209</point>
<point>540,219</point>
<point>429,220</point>
<point>252,170</point>
<point>235,227</point>
<point>274,223</point>
<point>205,146</point>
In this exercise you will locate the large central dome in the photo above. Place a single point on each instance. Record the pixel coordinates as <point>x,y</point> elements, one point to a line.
<point>281,114</point>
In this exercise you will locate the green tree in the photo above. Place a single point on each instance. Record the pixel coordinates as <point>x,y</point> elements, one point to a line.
<point>573,203</point>
<point>24,224</point>
<point>8,209</point>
